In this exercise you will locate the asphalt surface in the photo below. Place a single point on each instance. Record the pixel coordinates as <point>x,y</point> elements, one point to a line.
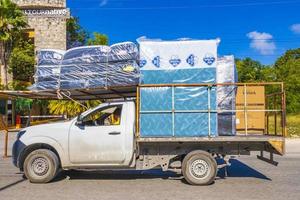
<point>248,178</point>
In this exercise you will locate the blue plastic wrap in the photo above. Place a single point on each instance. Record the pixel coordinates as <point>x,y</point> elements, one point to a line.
<point>203,75</point>
<point>195,124</point>
<point>156,125</point>
<point>183,112</point>
<point>156,99</point>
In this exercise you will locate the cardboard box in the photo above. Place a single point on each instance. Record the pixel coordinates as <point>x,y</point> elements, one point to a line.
<point>255,100</point>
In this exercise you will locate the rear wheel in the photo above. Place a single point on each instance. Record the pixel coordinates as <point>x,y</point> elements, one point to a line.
<point>41,166</point>
<point>199,168</point>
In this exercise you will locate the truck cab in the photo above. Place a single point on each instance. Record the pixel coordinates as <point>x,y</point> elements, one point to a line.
<point>100,137</point>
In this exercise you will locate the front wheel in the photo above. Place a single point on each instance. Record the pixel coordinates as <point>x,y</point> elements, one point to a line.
<point>41,166</point>
<point>199,168</point>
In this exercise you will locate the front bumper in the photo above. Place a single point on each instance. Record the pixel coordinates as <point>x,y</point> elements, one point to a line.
<point>17,149</point>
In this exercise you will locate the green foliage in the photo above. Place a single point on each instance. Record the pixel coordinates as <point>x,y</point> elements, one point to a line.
<point>12,20</point>
<point>23,106</point>
<point>70,108</point>
<point>98,39</point>
<point>252,71</point>
<point>287,69</point>
<point>76,35</point>
<point>18,85</point>
<point>21,62</point>
<point>293,121</point>
<point>12,23</point>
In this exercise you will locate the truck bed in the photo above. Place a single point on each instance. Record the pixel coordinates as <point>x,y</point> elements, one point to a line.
<point>238,143</point>
<point>237,138</point>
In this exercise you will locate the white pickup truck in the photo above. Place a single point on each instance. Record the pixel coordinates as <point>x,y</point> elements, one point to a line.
<point>92,141</point>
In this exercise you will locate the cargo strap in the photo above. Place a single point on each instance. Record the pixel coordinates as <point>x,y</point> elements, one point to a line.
<point>61,95</point>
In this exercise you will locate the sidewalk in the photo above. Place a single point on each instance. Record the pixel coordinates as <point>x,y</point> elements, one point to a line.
<point>292,145</point>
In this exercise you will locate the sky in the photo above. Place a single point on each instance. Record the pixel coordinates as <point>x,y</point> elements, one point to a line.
<point>262,30</point>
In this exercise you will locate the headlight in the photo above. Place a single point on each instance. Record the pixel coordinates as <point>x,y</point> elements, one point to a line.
<point>20,133</point>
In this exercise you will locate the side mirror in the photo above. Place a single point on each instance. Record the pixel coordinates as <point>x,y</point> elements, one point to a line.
<point>79,121</point>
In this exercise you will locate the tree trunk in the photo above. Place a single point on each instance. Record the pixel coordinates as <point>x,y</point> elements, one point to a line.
<point>5,74</point>
<point>4,58</point>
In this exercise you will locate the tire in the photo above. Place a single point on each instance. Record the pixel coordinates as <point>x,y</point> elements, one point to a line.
<point>41,166</point>
<point>199,168</point>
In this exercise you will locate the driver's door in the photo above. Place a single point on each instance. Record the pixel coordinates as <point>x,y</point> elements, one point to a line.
<point>97,140</point>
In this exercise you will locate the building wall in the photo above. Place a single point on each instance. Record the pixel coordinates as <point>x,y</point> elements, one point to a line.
<point>41,3</point>
<point>47,18</point>
<point>49,32</point>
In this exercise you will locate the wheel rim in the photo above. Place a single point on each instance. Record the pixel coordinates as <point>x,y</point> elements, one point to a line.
<point>199,169</point>
<point>40,166</point>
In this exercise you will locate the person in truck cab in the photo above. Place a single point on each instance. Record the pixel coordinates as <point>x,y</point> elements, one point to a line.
<point>115,117</point>
<point>107,117</point>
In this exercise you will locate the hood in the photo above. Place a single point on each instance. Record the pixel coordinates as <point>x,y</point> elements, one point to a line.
<point>52,130</point>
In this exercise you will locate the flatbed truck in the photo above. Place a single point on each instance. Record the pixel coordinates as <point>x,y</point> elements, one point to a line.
<point>91,141</point>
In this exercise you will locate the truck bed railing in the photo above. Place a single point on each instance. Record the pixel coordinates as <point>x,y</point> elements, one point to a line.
<point>274,108</point>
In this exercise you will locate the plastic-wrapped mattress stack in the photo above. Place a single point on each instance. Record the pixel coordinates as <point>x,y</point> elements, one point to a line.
<point>48,69</point>
<point>100,66</point>
<point>178,111</point>
<point>90,67</point>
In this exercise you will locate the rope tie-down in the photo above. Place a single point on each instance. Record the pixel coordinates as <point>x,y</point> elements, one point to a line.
<point>61,95</point>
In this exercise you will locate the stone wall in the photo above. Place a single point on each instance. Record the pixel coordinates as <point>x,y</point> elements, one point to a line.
<point>49,29</point>
<point>50,32</point>
<point>41,3</point>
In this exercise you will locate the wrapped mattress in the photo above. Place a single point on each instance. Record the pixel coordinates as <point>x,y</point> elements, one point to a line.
<point>48,69</point>
<point>181,61</point>
<point>178,112</point>
<point>95,75</point>
<point>48,57</point>
<point>181,111</point>
<point>88,67</point>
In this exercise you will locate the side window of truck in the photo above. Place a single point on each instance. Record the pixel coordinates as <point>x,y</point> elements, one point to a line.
<point>107,116</point>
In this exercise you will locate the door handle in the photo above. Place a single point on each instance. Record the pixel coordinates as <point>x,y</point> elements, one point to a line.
<point>114,133</point>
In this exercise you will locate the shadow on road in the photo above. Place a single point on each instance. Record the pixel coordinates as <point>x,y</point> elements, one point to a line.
<point>117,174</point>
<point>12,184</point>
<point>237,169</point>
<point>240,169</point>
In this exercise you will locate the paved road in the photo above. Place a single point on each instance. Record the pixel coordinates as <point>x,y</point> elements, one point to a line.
<point>248,178</point>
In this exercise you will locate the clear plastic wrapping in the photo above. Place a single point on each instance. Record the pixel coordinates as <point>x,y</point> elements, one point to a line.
<point>226,73</point>
<point>49,57</point>
<point>48,69</point>
<point>88,67</point>
<point>95,75</point>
